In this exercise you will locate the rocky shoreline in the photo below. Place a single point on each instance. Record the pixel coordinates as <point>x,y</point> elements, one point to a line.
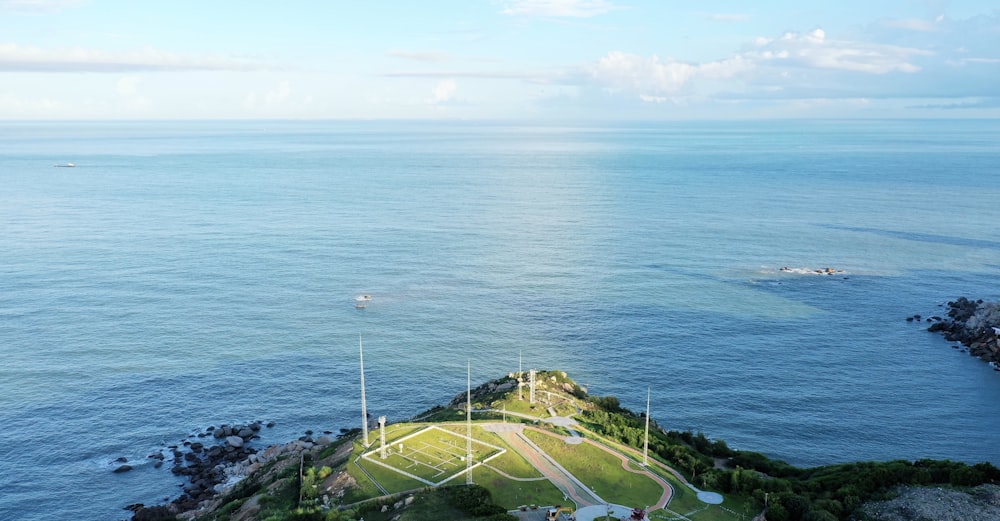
<point>974,324</point>
<point>214,460</point>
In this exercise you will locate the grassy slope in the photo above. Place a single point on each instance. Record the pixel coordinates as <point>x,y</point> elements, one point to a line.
<point>600,471</point>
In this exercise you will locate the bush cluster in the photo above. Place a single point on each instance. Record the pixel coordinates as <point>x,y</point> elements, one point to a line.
<point>791,494</point>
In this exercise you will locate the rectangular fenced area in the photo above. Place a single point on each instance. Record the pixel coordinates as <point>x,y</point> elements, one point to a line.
<point>432,455</point>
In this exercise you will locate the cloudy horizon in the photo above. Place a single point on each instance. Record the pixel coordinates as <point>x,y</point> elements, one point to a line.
<point>487,59</point>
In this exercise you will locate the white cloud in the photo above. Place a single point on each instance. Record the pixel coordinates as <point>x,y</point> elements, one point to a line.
<point>420,56</point>
<point>653,99</point>
<point>793,66</point>
<point>534,77</point>
<point>16,107</point>
<point>15,57</point>
<point>815,50</point>
<point>653,77</point>
<point>912,24</point>
<point>128,92</point>
<point>128,85</point>
<point>278,95</point>
<point>978,60</point>
<point>444,92</point>
<point>559,8</point>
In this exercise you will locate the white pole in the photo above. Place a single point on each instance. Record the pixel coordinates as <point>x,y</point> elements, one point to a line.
<point>468,427</point>
<point>381,429</point>
<point>520,381</point>
<point>364,407</point>
<point>645,445</point>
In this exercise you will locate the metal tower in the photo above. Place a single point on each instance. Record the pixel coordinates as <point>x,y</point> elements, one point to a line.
<point>645,444</point>
<point>381,429</point>
<point>520,379</point>
<point>531,386</point>
<point>468,427</point>
<point>364,406</point>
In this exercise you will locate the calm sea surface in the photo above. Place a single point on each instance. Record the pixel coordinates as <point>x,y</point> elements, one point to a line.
<point>192,274</point>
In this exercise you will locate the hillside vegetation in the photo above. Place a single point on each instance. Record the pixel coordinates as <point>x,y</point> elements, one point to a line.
<point>330,482</point>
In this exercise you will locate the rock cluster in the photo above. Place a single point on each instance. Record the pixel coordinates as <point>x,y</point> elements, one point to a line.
<point>484,390</point>
<point>208,465</point>
<point>974,324</point>
<point>214,469</point>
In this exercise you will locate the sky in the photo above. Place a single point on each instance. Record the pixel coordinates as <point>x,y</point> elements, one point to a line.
<point>532,60</point>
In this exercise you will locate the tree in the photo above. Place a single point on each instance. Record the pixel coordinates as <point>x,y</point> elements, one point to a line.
<point>796,506</point>
<point>776,512</point>
<point>819,515</point>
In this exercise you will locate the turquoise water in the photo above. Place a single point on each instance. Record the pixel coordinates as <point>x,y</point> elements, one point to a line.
<point>191,274</point>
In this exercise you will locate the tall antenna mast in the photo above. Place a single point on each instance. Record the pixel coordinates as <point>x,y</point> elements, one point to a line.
<point>468,427</point>
<point>645,445</point>
<point>531,386</point>
<point>364,406</point>
<point>520,381</point>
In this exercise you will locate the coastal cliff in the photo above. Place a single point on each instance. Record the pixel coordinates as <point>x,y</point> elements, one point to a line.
<point>974,324</point>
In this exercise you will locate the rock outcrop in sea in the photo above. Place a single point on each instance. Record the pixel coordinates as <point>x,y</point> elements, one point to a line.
<point>215,465</point>
<point>973,323</point>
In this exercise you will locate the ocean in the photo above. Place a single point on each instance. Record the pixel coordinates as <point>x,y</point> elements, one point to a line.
<point>190,274</point>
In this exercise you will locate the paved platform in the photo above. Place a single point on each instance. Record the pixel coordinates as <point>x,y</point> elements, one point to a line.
<point>595,511</point>
<point>711,498</point>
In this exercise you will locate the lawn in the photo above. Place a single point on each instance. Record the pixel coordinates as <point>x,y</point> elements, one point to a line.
<point>600,471</point>
<point>522,406</point>
<point>511,494</point>
<point>426,507</point>
<point>510,462</point>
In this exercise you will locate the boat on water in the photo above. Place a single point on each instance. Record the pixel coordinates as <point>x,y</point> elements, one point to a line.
<point>65,165</point>
<point>361,301</point>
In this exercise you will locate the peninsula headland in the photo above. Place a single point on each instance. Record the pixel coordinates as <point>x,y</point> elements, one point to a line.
<point>529,446</point>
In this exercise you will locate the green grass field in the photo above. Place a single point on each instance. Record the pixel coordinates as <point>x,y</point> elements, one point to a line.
<point>600,471</point>
<point>511,494</point>
<point>431,455</point>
